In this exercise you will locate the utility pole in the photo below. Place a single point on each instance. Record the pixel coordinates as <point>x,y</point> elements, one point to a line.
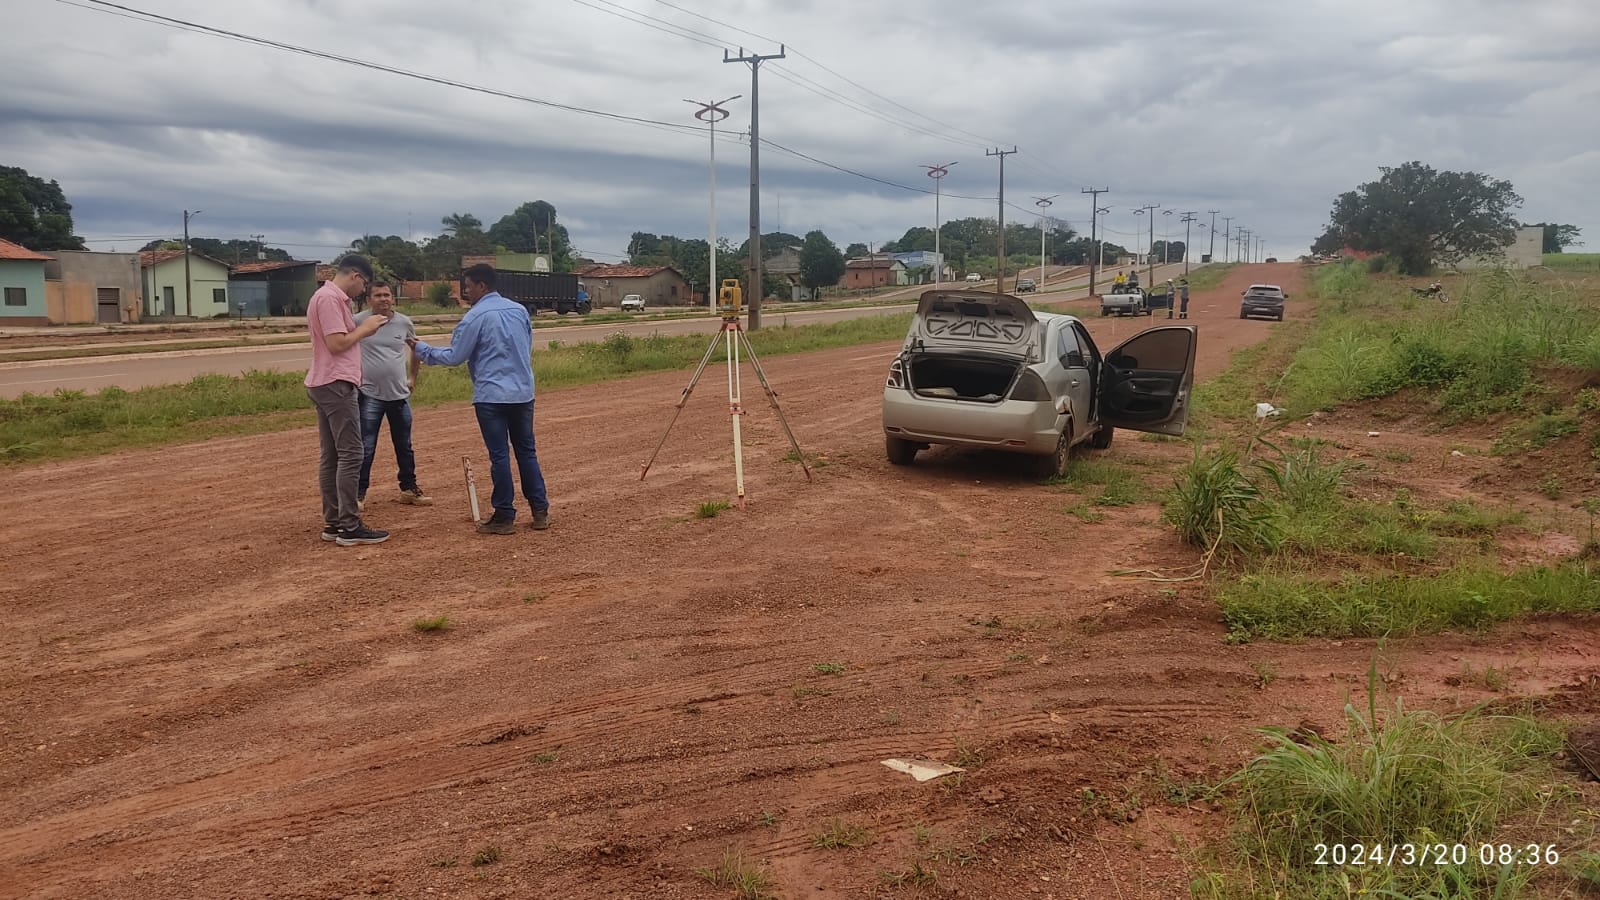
<point>261,245</point>
<point>1000,259</point>
<point>1094,221</point>
<point>1227,221</point>
<point>1148,210</point>
<point>1212,253</point>
<point>753,296</point>
<point>937,173</point>
<point>1166,237</point>
<point>711,113</point>
<point>1042,202</point>
<point>188,283</point>
<point>1102,211</point>
<point>1188,217</point>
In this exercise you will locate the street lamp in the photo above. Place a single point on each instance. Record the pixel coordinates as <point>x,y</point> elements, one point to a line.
<point>1104,210</point>
<point>1166,237</point>
<point>937,173</point>
<point>711,114</point>
<point>188,283</point>
<point>1042,202</point>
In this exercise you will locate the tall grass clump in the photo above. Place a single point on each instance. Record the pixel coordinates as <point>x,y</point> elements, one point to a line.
<point>1218,508</point>
<point>1398,778</point>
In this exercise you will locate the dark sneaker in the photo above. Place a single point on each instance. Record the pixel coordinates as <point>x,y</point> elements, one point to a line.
<point>497,526</point>
<point>361,534</point>
<point>330,533</point>
<point>541,520</point>
<point>415,497</point>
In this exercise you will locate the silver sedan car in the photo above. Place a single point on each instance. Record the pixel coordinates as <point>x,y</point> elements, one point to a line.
<point>980,369</point>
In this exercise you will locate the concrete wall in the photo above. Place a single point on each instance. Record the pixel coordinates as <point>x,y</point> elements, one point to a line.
<point>28,275</point>
<point>205,277</point>
<point>1526,249</point>
<point>76,278</point>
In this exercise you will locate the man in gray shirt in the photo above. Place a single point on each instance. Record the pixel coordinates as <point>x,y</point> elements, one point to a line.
<point>388,374</point>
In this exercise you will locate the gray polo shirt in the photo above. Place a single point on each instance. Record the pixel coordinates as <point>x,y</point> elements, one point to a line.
<point>384,355</point>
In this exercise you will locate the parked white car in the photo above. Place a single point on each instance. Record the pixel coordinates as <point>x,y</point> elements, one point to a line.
<point>633,303</point>
<point>974,277</point>
<point>980,369</point>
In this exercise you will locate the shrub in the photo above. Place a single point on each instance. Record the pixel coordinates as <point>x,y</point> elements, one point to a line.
<point>440,294</point>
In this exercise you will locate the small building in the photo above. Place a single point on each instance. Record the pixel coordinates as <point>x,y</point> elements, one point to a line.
<point>165,292</point>
<point>22,296</point>
<point>85,287</point>
<point>920,259</point>
<point>278,288</point>
<point>1525,251</point>
<point>658,285</point>
<point>873,272</point>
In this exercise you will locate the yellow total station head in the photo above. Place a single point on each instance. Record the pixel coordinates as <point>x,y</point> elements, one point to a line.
<point>729,297</point>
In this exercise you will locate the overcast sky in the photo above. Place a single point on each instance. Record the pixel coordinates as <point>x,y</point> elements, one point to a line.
<point>1262,109</point>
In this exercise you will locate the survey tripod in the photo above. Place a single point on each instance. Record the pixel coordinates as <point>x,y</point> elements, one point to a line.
<point>732,337</point>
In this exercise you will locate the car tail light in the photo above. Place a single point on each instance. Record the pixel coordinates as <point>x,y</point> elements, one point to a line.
<point>1030,387</point>
<point>897,374</point>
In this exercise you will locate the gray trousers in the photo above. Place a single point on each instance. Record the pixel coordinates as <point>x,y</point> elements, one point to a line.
<point>339,469</point>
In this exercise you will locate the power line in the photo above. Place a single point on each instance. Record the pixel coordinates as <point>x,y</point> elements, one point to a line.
<point>985,141</point>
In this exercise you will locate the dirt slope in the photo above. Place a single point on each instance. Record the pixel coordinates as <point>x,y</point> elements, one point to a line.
<point>204,700</point>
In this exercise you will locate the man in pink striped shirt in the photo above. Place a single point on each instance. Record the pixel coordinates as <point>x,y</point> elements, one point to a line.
<point>332,383</point>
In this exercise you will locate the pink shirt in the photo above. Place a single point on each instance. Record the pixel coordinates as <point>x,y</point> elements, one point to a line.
<point>329,313</point>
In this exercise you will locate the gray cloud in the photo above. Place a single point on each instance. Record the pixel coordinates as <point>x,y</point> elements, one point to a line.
<point>1265,110</point>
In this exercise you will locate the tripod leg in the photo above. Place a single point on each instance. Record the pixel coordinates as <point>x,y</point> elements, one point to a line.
<point>683,399</point>
<point>736,412</point>
<point>772,397</point>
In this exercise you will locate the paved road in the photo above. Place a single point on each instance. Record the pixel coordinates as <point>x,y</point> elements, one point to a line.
<point>144,369</point>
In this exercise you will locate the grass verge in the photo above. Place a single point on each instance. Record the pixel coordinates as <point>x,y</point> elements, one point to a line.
<point>73,424</point>
<point>1316,819</point>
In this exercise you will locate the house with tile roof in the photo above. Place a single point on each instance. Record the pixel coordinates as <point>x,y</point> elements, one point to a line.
<point>168,295</point>
<point>272,288</point>
<point>658,285</point>
<point>22,298</point>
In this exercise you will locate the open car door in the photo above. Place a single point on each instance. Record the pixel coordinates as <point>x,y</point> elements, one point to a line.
<point>1145,381</point>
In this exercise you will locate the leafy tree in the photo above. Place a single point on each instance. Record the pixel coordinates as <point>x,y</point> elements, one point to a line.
<point>915,238</point>
<point>1420,216</point>
<point>856,251</point>
<point>1557,238</point>
<point>34,212</point>
<point>532,228</point>
<point>233,250</point>
<point>821,263</point>
<point>1172,252</point>
<point>772,244</point>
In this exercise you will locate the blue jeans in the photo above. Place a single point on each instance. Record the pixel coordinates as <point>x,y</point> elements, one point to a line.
<point>398,412</point>
<point>504,424</point>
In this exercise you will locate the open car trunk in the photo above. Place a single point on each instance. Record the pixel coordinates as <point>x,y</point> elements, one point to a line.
<point>984,379</point>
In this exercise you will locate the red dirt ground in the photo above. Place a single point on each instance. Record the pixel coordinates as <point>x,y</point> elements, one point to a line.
<point>201,699</point>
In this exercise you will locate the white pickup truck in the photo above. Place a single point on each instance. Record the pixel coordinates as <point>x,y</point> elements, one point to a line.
<point>1124,300</point>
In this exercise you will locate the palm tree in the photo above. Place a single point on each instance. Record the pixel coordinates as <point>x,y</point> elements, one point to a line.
<point>455,223</point>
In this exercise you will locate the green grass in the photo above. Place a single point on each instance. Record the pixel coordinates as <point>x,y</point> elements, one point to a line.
<point>710,509</point>
<point>486,856</point>
<point>72,423</point>
<point>829,668</point>
<point>1573,262</point>
<point>1209,276</point>
<point>1398,777</point>
<point>838,834</point>
<point>1106,483</point>
<point>748,881</point>
<point>1480,356</point>
<point>1285,604</point>
<point>432,623</point>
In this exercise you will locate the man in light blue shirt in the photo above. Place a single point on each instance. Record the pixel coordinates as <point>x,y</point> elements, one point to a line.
<point>495,340</point>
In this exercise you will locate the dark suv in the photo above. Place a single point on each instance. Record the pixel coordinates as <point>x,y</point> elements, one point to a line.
<point>1263,300</point>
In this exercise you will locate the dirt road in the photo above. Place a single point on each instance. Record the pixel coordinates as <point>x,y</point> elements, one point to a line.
<point>201,699</point>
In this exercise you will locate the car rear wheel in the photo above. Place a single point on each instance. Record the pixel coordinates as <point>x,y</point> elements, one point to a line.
<point>1280,317</point>
<point>1244,315</point>
<point>900,451</point>
<point>1055,464</point>
<point>1102,437</point>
